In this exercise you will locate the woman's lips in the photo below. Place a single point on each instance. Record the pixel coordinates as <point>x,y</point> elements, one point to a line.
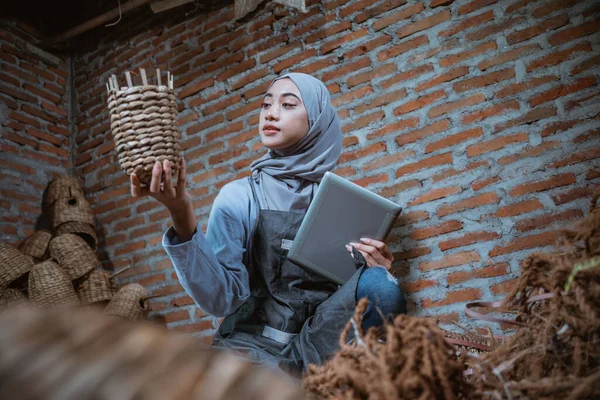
<point>270,130</point>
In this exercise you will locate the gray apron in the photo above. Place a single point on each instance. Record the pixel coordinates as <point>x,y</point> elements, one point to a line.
<point>293,317</point>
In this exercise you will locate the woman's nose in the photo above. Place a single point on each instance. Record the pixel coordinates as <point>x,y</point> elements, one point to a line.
<point>273,113</point>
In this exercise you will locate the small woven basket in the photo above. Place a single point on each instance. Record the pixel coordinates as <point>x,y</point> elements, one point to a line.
<point>62,186</point>
<point>71,209</point>
<point>50,286</point>
<point>10,298</point>
<point>13,264</point>
<point>95,287</point>
<point>73,255</point>
<point>36,245</point>
<point>81,229</point>
<point>143,120</point>
<point>128,302</point>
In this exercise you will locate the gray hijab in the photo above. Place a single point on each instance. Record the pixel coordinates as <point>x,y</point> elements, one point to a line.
<point>288,178</point>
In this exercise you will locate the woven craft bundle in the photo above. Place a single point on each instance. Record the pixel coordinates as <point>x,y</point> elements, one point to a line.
<point>81,229</point>
<point>10,298</point>
<point>71,209</point>
<point>127,302</point>
<point>50,286</point>
<point>62,186</point>
<point>144,128</point>
<point>13,264</point>
<point>73,254</point>
<point>95,287</point>
<point>36,245</point>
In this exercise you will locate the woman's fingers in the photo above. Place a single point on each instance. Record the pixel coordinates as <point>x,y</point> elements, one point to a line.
<point>156,178</point>
<point>136,187</point>
<point>379,245</point>
<point>181,178</point>
<point>375,253</point>
<point>168,182</point>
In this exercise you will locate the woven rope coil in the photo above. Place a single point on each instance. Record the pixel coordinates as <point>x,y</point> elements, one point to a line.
<point>73,254</point>
<point>50,286</point>
<point>62,186</point>
<point>71,209</point>
<point>144,128</point>
<point>81,229</point>
<point>36,245</point>
<point>13,264</point>
<point>127,302</point>
<point>11,297</point>
<point>95,287</point>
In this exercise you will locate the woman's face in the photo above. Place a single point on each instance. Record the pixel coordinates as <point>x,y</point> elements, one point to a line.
<point>283,118</point>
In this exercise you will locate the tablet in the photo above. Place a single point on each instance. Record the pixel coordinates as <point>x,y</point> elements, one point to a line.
<point>341,212</point>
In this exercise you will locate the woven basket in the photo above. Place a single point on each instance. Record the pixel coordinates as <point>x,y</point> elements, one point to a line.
<point>81,229</point>
<point>144,128</point>
<point>62,186</point>
<point>36,245</point>
<point>95,287</point>
<point>127,302</point>
<point>73,254</point>
<point>13,264</point>
<point>50,286</point>
<point>71,209</point>
<point>10,298</point>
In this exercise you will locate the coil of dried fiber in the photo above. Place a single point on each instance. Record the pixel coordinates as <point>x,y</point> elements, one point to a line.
<point>91,356</point>
<point>81,229</point>
<point>62,186</point>
<point>36,245</point>
<point>555,351</point>
<point>10,298</point>
<point>128,302</point>
<point>50,286</point>
<point>405,359</point>
<point>71,209</point>
<point>95,287</point>
<point>13,264</point>
<point>73,254</point>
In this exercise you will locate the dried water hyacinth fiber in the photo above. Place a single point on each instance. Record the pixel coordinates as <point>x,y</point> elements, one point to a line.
<point>128,302</point>
<point>49,286</point>
<point>556,353</point>
<point>10,298</point>
<point>62,186</point>
<point>73,254</point>
<point>36,245</point>
<point>95,287</point>
<point>75,353</point>
<point>405,359</point>
<point>13,264</point>
<point>143,121</point>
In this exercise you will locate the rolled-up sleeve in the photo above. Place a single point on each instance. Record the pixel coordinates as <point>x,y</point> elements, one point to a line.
<point>211,267</point>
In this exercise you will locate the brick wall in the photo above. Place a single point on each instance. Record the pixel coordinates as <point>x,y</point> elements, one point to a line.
<point>34,131</point>
<point>480,117</point>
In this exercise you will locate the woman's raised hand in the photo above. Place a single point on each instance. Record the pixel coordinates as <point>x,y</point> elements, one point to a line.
<point>376,253</point>
<point>173,197</point>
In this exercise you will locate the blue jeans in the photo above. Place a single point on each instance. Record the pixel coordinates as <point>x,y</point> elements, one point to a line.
<point>384,295</point>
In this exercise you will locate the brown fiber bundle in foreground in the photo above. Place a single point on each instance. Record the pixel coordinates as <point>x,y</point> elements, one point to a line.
<point>406,359</point>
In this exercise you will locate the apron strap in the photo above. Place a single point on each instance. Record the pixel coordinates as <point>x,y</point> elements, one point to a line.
<point>277,335</point>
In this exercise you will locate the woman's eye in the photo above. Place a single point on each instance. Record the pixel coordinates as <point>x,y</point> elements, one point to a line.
<point>265,105</point>
<point>288,105</point>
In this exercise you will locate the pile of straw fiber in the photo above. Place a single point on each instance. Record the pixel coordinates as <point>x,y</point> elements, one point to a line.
<point>554,352</point>
<point>59,266</point>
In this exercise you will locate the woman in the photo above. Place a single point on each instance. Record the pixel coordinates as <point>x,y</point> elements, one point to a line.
<point>276,312</point>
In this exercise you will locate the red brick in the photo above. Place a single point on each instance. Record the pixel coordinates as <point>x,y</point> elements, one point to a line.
<point>586,65</point>
<point>543,27</point>
<point>351,95</point>
<point>581,156</point>
<point>561,90</point>
<point>534,115</point>
<point>508,56</point>
<point>388,160</point>
<point>495,29</point>
<point>512,210</point>
<point>523,86</point>
<point>324,33</point>
<point>417,286</point>
<point>504,287</point>
<point>382,100</point>
<point>419,134</point>
<point>465,55</point>
<point>437,160</point>
<point>482,183</point>
<point>371,180</point>
<point>396,50</point>
<point>496,144</point>
<point>525,242</point>
<point>553,6</point>
<point>469,238</point>
<point>472,202</point>
<point>367,46</point>
<point>412,218</point>
<point>453,140</point>
<point>467,23</point>
<point>363,152</point>
<point>570,34</point>
<point>546,220</point>
<point>399,15</point>
<point>571,195</point>
<point>419,102</point>
<point>540,186</point>
<point>390,191</point>
<point>485,272</point>
<point>457,296</point>
<point>363,121</point>
<point>347,69</point>
<point>404,76</point>
<point>432,231</point>
<point>558,57</point>
<point>435,194</point>
<point>490,111</point>
<point>456,105</point>
<point>446,77</point>
<point>395,127</point>
<point>329,46</point>
<point>376,73</point>
<point>474,6</point>
<point>424,23</point>
<point>484,80</point>
<point>590,98</point>
<point>278,52</point>
<point>529,152</point>
<point>318,65</point>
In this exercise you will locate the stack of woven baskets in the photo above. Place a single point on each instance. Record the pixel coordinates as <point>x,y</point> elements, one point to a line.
<point>61,267</point>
